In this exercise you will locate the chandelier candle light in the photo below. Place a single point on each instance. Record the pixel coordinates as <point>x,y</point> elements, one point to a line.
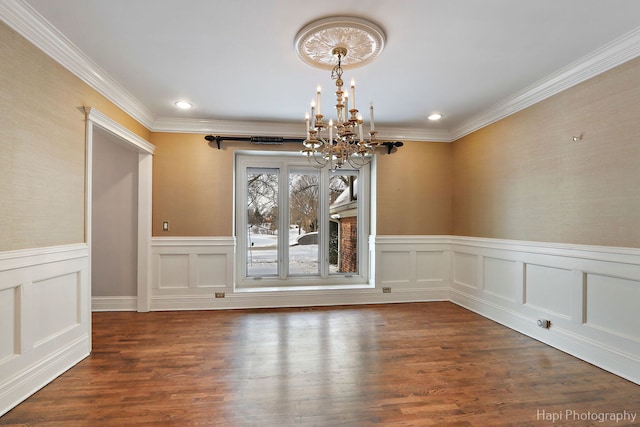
<point>342,142</point>
<point>347,145</point>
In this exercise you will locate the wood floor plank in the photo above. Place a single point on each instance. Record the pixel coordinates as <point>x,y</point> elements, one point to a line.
<point>417,364</point>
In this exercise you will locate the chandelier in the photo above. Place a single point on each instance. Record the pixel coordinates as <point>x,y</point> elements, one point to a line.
<point>351,42</point>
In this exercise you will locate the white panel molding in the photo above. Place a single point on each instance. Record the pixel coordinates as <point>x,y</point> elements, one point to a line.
<point>49,334</point>
<point>466,270</point>
<point>176,270</point>
<point>190,292</point>
<point>561,271</point>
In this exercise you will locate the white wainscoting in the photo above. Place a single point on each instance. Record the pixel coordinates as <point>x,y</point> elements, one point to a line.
<point>590,294</point>
<point>45,317</point>
<point>187,272</point>
<point>415,268</point>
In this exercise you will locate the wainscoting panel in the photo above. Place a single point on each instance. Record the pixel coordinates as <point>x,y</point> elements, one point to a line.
<point>431,268</point>
<point>413,268</point>
<point>589,294</point>
<point>464,269</point>
<point>187,272</point>
<point>208,268</point>
<point>45,317</point>
<point>173,271</point>
<point>613,307</point>
<point>503,279</point>
<point>52,320</point>
<point>394,268</point>
<point>543,282</point>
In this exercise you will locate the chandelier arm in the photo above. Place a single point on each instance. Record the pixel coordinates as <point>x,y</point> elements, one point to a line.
<point>347,146</point>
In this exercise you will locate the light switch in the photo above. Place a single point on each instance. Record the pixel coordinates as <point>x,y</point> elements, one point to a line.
<point>165,225</point>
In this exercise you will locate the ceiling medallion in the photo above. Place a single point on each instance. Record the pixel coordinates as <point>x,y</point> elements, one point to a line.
<point>334,43</point>
<point>315,42</point>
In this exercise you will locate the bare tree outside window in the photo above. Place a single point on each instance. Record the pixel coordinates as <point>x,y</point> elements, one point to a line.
<point>262,221</point>
<point>304,201</point>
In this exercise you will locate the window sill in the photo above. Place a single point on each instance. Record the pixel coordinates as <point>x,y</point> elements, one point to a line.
<point>284,288</point>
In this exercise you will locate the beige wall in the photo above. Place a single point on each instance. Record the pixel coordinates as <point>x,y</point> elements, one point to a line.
<point>414,190</point>
<point>521,178</point>
<point>524,178</point>
<point>42,146</point>
<point>193,188</point>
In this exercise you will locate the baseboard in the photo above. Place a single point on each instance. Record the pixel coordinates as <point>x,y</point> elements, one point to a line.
<point>283,299</point>
<point>608,358</point>
<point>18,388</point>
<point>114,303</point>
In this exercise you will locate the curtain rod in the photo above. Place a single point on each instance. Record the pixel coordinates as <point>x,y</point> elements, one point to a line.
<point>258,140</point>
<point>278,140</point>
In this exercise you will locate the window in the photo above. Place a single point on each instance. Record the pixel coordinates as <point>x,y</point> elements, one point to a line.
<point>299,226</point>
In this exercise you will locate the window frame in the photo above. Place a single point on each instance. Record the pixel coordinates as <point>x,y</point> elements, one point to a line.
<point>286,163</point>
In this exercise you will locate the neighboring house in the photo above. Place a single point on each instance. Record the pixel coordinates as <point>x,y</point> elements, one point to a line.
<point>344,212</point>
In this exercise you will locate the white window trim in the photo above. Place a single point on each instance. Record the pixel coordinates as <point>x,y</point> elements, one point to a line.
<point>286,161</point>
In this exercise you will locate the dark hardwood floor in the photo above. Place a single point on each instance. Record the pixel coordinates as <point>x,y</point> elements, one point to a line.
<point>416,364</point>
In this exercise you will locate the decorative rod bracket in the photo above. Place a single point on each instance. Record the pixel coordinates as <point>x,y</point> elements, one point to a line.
<point>212,138</point>
<point>390,145</point>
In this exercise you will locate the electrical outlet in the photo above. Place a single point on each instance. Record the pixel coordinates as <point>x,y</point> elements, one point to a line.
<point>544,323</point>
<point>219,294</point>
<point>386,290</point>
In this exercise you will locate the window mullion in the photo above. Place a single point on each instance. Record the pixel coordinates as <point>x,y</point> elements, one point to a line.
<point>323,213</point>
<point>283,221</point>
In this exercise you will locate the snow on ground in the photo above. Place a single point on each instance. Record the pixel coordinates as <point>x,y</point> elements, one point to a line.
<point>271,240</point>
<point>262,255</point>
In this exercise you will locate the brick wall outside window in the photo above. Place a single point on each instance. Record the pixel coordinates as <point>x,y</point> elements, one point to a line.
<point>348,262</point>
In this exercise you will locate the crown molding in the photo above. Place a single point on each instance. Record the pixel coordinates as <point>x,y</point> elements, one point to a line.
<point>611,55</point>
<point>27,22</point>
<point>283,129</point>
<point>30,24</point>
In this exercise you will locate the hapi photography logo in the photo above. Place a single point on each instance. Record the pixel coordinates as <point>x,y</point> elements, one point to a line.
<point>573,415</point>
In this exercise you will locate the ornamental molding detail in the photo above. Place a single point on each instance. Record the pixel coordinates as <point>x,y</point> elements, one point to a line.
<point>316,41</point>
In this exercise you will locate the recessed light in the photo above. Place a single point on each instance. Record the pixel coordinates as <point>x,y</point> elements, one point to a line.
<point>184,105</point>
<point>435,116</point>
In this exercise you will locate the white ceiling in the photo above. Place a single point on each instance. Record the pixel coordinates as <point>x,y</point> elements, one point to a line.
<point>472,61</point>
